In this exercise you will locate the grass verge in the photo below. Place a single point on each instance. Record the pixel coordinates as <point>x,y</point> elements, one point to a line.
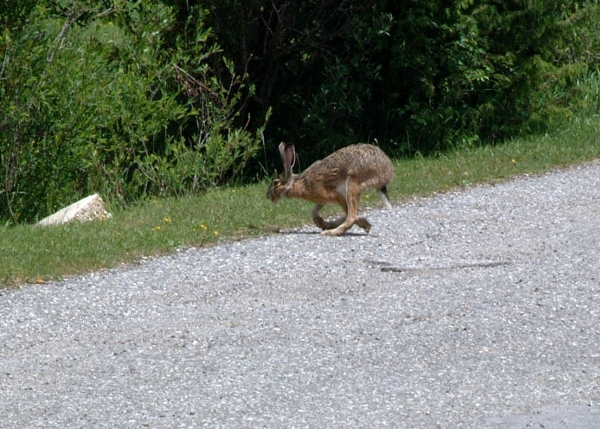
<point>31,254</point>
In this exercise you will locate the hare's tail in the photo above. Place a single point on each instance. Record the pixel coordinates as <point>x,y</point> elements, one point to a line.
<point>386,197</point>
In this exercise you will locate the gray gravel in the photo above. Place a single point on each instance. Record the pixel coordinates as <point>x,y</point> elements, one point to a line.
<point>478,308</point>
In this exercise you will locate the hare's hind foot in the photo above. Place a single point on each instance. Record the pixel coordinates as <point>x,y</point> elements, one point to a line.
<point>334,232</point>
<point>345,226</point>
<point>364,224</point>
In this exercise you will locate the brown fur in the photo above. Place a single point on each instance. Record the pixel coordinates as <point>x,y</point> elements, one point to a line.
<point>340,178</point>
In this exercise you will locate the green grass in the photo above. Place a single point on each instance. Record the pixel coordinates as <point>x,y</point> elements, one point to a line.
<point>35,254</point>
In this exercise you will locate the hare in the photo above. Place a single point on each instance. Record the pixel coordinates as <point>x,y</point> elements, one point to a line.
<point>340,178</point>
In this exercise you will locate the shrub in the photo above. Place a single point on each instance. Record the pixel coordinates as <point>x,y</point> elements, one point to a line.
<point>97,100</point>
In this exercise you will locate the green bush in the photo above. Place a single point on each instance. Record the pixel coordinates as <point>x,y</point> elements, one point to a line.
<point>92,101</point>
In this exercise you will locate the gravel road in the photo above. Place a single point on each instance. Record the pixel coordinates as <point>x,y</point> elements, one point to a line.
<point>473,309</point>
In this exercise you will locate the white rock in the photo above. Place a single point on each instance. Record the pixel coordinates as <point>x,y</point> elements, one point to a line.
<point>89,208</point>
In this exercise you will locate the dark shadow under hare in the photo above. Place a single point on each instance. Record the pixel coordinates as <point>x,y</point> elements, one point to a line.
<point>340,178</point>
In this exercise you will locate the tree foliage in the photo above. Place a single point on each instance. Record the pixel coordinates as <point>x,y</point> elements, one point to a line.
<point>166,97</point>
<point>417,76</point>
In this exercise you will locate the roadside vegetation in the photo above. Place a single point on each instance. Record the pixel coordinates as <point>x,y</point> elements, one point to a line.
<point>172,110</point>
<point>156,226</point>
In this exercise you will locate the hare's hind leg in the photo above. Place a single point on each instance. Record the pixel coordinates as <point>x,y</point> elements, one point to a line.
<point>352,194</point>
<point>322,223</point>
<point>361,222</point>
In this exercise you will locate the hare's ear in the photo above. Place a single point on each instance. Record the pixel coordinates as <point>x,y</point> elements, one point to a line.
<point>288,156</point>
